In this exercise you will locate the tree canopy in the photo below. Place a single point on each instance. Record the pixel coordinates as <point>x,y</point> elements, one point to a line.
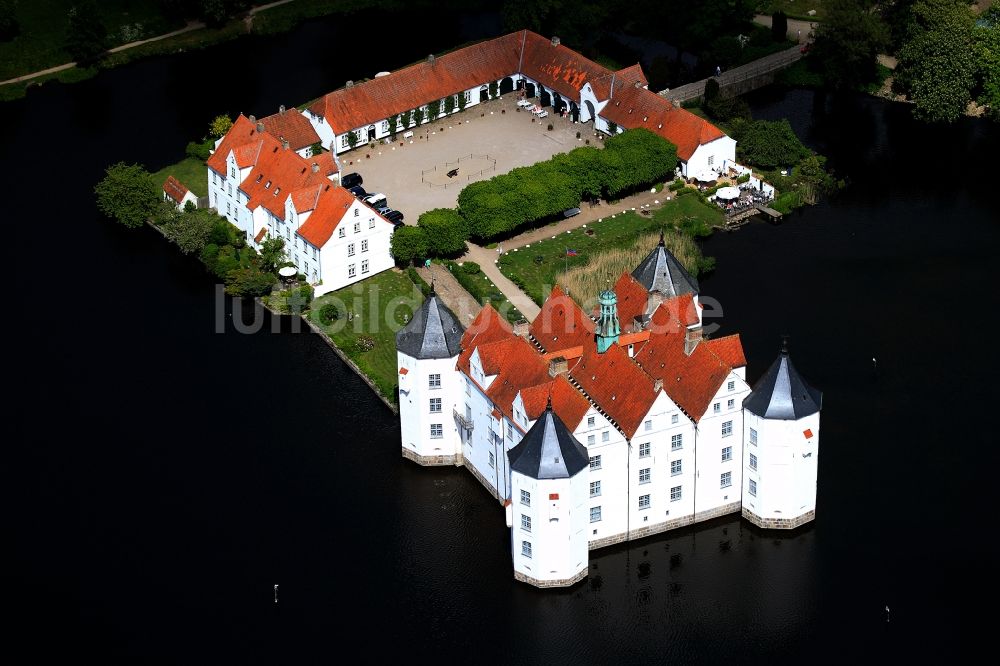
<point>408,243</point>
<point>86,36</point>
<point>445,231</point>
<point>848,42</point>
<point>127,194</point>
<point>219,126</point>
<point>768,144</point>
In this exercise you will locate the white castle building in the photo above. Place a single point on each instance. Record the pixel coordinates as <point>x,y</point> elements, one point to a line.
<point>593,430</point>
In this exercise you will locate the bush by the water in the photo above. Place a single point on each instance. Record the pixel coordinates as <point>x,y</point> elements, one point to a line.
<point>768,144</point>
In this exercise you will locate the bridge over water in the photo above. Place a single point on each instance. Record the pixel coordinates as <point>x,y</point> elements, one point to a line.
<point>739,80</point>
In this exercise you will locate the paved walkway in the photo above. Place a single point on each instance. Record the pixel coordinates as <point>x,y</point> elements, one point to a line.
<point>193,25</point>
<point>747,72</point>
<point>451,292</point>
<point>487,258</point>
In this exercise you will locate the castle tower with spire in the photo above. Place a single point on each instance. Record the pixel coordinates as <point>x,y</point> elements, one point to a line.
<point>608,326</point>
<point>427,349</point>
<point>781,447</point>
<point>548,510</point>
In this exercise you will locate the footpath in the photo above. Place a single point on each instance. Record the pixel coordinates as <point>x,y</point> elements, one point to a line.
<point>193,25</point>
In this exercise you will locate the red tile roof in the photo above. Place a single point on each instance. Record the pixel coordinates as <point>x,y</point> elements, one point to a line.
<point>306,198</point>
<point>174,189</point>
<point>327,165</point>
<point>517,365</point>
<point>729,350</point>
<point>568,403</point>
<point>626,339</point>
<point>561,324</point>
<point>637,107</point>
<point>617,385</point>
<point>242,138</point>
<point>333,202</point>
<point>260,235</point>
<point>633,299</point>
<point>291,126</point>
<point>276,174</point>
<point>487,327</point>
<point>692,380</point>
<point>365,103</point>
<point>557,67</point>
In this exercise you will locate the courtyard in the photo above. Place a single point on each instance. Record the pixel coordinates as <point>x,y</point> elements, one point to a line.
<point>430,168</point>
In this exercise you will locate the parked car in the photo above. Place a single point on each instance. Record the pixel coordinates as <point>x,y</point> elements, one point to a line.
<point>376,200</point>
<point>358,191</point>
<point>571,212</point>
<point>393,216</point>
<point>351,179</point>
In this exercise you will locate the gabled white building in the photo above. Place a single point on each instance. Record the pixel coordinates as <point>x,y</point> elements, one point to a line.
<point>658,409</point>
<point>535,67</point>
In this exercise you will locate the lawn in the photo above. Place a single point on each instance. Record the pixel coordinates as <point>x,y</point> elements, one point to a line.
<point>378,306</point>
<point>43,24</point>
<point>191,171</point>
<point>536,266</point>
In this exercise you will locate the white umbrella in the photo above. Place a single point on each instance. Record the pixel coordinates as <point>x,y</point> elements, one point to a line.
<point>706,176</point>
<point>727,193</point>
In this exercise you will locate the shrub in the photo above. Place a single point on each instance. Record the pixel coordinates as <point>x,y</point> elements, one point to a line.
<point>676,185</point>
<point>364,343</point>
<point>745,178</point>
<point>471,268</point>
<point>768,144</point>
<point>328,314</point>
<point>445,231</point>
<point>200,150</point>
<point>415,278</point>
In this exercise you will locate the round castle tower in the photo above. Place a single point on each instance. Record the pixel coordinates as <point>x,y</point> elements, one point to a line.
<point>781,447</point>
<point>427,350</point>
<point>547,510</point>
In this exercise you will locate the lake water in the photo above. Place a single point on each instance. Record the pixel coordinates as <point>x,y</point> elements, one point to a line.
<point>171,475</point>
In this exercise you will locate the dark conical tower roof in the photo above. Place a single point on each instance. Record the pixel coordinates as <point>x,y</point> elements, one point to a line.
<point>549,450</point>
<point>660,271</point>
<point>434,331</point>
<point>782,393</point>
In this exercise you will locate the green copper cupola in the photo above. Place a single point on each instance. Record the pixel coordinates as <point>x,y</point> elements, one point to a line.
<point>608,328</point>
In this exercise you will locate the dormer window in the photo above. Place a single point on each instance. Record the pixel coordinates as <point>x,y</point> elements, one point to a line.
<point>267,185</point>
<point>276,190</point>
<point>259,177</point>
<point>645,118</point>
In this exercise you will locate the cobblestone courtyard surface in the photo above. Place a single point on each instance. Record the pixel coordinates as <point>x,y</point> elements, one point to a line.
<point>481,142</point>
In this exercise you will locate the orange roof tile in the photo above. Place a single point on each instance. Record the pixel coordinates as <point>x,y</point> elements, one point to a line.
<point>557,67</point>
<point>404,371</point>
<point>617,385</point>
<point>327,165</point>
<point>488,326</point>
<point>332,203</point>
<point>568,403</point>
<point>561,324</point>
<point>244,139</point>
<point>633,299</point>
<point>306,198</point>
<point>626,339</point>
<point>291,126</point>
<point>275,175</point>
<point>260,235</point>
<point>365,103</point>
<point>569,353</point>
<point>729,350</point>
<point>174,189</point>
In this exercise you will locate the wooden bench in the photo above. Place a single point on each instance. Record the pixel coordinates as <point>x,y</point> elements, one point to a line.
<point>408,134</point>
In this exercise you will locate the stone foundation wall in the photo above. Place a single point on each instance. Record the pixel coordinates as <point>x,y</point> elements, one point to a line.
<point>432,461</point>
<point>486,484</point>
<point>565,582</point>
<point>779,523</point>
<point>650,530</point>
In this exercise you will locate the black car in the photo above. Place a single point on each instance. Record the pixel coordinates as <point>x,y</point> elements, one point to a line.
<point>351,179</point>
<point>393,216</point>
<point>358,191</point>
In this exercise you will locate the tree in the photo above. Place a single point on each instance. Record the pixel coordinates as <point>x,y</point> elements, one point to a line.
<point>272,254</point>
<point>127,194</point>
<point>492,89</point>
<point>192,230</point>
<point>433,110</point>
<point>418,115</point>
<point>848,42</point>
<point>407,119</point>
<point>461,101</point>
<point>768,144</point>
<point>939,60</point>
<point>249,281</point>
<point>316,149</point>
<point>446,231</point>
<point>86,37</point>
<point>612,128</point>
<point>449,105</point>
<point>779,26</point>
<point>352,139</point>
<point>393,126</point>
<point>407,244</point>
<point>988,41</point>
<point>220,126</point>
<point>9,27</point>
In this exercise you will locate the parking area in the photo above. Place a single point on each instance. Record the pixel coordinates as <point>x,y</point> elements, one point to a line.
<point>430,168</point>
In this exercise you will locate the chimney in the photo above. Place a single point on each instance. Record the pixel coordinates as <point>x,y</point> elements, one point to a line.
<point>430,59</point>
<point>260,126</point>
<point>315,167</point>
<point>652,302</point>
<point>281,109</point>
<point>558,366</point>
<point>555,41</point>
<point>521,328</point>
<point>657,386</point>
<point>350,84</point>
<point>691,339</point>
<point>284,144</point>
<point>638,84</point>
<point>253,119</point>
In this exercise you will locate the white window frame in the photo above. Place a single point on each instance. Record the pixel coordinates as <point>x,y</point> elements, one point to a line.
<point>644,475</point>
<point>727,428</point>
<point>753,461</point>
<point>753,488</point>
<point>676,493</point>
<point>727,453</point>
<point>753,436</point>
<point>595,488</point>
<point>526,549</point>
<point>677,442</point>
<point>525,497</point>
<point>437,431</point>
<point>595,462</point>
<point>434,380</point>
<point>435,403</point>
<point>595,514</point>
<point>725,479</point>
<point>644,502</point>
<point>644,450</point>
<point>525,523</point>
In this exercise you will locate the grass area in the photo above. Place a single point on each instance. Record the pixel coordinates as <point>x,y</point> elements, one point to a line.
<point>379,306</point>
<point>43,24</point>
<point>798,9</point>
<point>535,267</point>
<point>191,171</point>
<point>478,284</point>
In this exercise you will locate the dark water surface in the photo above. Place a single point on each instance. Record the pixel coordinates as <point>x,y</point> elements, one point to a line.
<point>172,475</point>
